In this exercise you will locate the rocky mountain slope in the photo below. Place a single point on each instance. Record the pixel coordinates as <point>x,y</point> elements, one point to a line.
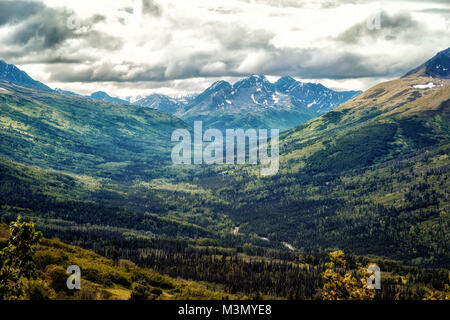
<point>253,102</point>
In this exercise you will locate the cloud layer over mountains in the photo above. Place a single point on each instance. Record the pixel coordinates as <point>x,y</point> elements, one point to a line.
<point>174,47</point>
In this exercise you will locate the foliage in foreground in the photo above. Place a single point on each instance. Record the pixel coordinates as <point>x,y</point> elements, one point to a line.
<point>40,272</point>
<point>34,268</point>
<point>341,285</point>
<point>16,259</point>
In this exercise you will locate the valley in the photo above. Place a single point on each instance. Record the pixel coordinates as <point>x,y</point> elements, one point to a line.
<point>369,177</point>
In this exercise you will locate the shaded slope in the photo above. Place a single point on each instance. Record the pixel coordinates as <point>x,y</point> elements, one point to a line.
<point>436,67</point>
<point>11,74</point>
<point>82,135</point>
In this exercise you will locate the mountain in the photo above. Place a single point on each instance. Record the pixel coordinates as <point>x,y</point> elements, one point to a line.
<point>315,97</point>
<point>160,102</point>
<point>133,99</point>
<point>82,135</point>
<point>103,96</point>
<point>255,102</point>
<point>14,75</point>
<point>436,67</point>
<point>165,103</point>
<point>57,90</point>
<point>368,177</point>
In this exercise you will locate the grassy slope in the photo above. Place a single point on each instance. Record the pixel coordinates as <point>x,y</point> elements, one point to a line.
<point>102,279</point>
<point>385,103</point>
<point>82,135</point>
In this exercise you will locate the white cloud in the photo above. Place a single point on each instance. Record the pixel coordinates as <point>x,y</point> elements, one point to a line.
<point>254,62</point>
<point>214,68</point>
<point>182,46</point>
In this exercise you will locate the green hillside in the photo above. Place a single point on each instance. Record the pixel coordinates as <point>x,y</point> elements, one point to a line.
<point>102,278</point>
<point>78,162</point>
<point>370,176</point>
<point>81,135</point>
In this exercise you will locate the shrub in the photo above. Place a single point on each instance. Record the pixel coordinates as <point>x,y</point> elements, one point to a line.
<point>36,290</point>
<point>43,258</point>
<point>140,292</point>
<point>88,293</point>
<point>57,277</point>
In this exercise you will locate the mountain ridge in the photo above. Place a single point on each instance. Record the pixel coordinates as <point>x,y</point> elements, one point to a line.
<point>14,75</point>
<point>253,102</point>
<point>103,96</point>
<point>436,67</point>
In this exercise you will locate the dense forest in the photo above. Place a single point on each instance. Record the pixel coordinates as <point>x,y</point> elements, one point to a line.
<point>35,268</point>
<point>252,271</point>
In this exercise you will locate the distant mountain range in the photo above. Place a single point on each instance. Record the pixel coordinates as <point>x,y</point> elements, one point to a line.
<point>103,96</point>
<point>253,102</point>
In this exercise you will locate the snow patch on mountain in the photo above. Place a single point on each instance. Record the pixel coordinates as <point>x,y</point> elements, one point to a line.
<point>425,86</point>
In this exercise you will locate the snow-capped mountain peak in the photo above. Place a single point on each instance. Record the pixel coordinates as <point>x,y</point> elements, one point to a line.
<point>286,102</point>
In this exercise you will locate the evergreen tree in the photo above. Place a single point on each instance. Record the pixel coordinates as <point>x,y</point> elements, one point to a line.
<point>16,259</point>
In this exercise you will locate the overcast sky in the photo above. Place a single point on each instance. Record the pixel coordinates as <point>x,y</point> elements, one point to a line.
<point>138,47</point>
